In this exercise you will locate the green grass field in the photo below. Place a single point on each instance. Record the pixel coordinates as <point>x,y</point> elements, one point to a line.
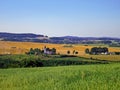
<point>84,77</point>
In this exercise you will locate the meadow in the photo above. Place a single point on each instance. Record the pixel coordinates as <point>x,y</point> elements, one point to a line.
<point>84,77</point>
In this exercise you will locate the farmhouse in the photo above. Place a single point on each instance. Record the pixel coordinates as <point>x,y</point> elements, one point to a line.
<point>49,51</point>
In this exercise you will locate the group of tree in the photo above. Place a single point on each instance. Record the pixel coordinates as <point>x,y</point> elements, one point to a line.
<point>74,52</point>
<point>97,50</point>
<point>37,51</point>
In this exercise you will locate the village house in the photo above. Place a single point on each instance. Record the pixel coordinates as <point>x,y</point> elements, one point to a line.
<point>49,51</point>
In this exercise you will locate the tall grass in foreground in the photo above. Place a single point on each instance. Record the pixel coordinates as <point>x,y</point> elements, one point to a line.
<point>86,77</point>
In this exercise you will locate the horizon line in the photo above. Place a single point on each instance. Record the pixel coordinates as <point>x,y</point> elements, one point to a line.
<point>62,35</point>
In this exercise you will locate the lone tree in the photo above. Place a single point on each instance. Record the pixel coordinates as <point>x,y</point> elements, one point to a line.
<point>87,51</point>
<point>76,52</point>
<point>73,51</point>
<point>68,52</point>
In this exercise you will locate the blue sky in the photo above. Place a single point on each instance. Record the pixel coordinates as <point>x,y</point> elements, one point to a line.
<point>84,18</point>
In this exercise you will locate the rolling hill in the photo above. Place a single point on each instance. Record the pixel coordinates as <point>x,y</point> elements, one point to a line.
<point>29,37</point>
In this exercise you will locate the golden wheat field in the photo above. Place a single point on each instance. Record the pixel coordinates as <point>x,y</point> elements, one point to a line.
<point>8,47</point>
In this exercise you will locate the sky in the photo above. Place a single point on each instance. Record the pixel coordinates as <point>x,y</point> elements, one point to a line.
<point>83,18</point>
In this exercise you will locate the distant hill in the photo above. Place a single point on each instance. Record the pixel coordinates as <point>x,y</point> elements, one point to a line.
<point>22,37</point>
<point>85,40</point>
<point>29,37</point>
